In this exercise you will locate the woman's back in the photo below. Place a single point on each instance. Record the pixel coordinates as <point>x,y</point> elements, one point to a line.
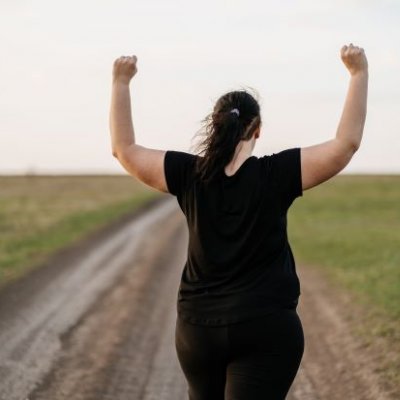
<point>239,262</point>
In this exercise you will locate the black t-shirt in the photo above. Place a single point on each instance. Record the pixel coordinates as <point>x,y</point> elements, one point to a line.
<point>239,262</point>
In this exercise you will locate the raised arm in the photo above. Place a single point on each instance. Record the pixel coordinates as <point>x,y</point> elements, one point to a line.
<point>323,161</point>
<point>143,163</point>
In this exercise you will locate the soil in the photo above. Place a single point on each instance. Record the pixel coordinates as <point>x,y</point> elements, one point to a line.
<point>114,337</point>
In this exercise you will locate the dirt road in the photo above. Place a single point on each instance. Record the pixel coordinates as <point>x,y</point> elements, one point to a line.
<point>98,323</point>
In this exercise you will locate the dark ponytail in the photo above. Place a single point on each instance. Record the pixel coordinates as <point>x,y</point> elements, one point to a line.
<point>235,117</point>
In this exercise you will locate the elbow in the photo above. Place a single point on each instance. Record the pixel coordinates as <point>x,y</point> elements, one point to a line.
<point>115,153</point>
<point>354,146</point>
<point>349,146</point>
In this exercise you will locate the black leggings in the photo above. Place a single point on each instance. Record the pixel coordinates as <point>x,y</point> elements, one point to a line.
<point>255,359</point>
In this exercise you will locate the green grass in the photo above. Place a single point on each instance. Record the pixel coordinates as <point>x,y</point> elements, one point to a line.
<point>41,214</point>
<point>349,228</point>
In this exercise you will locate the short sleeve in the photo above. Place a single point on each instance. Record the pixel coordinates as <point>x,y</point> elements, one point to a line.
<point>177,168</point>
<point>286,172</point>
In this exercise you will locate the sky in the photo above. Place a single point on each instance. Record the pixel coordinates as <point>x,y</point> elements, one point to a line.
<point>56,65</point>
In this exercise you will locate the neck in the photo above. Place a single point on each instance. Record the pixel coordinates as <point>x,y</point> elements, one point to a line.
<point>244,149</point>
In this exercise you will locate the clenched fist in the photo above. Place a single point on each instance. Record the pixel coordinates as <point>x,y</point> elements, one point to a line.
<point>354,58</point>
<point>124,68</point>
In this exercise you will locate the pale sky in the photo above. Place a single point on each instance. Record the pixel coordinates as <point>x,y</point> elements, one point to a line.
<point>57,56</point>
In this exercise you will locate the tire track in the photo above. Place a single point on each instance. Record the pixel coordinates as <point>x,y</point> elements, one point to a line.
<point>123,348</point>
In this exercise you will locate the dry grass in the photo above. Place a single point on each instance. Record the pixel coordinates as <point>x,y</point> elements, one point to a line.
<point>39,214</point>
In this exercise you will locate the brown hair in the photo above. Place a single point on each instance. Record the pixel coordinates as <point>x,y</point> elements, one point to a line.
<point>223,129</point>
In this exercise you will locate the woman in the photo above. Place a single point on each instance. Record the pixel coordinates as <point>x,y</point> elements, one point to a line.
<point>238,334</point>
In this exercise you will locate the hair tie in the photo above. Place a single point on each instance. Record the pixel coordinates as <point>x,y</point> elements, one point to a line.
<point>236,111</point>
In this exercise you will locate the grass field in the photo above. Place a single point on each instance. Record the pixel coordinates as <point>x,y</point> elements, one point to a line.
<point>349,228</point>
<point>40,214</point>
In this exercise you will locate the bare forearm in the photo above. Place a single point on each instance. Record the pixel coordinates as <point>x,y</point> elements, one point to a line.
<point>121,126</point>
<point>351,125</point>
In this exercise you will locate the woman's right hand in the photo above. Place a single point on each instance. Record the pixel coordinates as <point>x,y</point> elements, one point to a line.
<point>354,59</point>
<point>323,161</point>
<point>125,68</point>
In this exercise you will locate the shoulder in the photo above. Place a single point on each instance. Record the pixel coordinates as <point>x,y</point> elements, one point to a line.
<point>179,156</point>
<point>284,170</point>
<point>284,158</point>
<point>179,160</point>
<point>178,168</point>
